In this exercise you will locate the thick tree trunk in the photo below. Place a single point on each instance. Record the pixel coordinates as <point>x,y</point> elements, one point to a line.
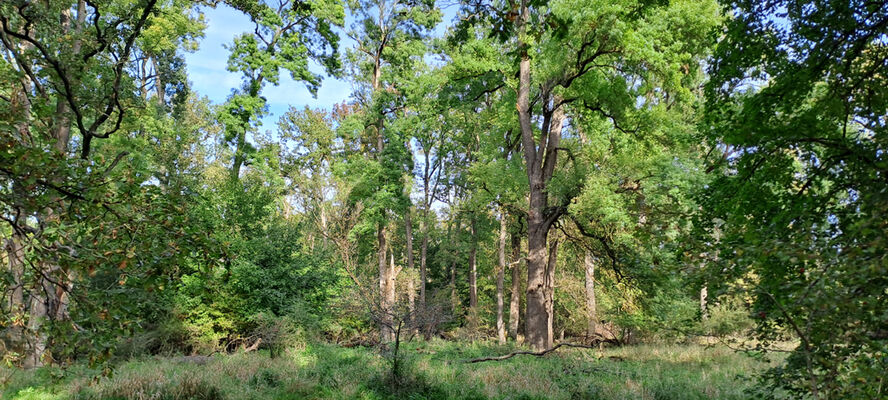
<point>537,228</point>
<point>500,278</point>
<point>536,317</point>
<point>540,161</point>
<point>550,291</point>
<point>515,300</point>
<point>591,306</point>
<point>473,267</point>
<point>15,304</point>
<point>15,258</point>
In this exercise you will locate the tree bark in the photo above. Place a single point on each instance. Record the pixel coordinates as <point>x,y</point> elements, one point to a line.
<point>591,306</point>
<point>385,322</point>
<point>16,301</point>
<point>535,316</point>
<point>704,294</point>
<point>539,216</point>
<point>540,161</point>
<point>473,267</point>
<point>159,85</point>
<point>411,293</point>
<point>550,291</point>
<point>515,300</point>
<point>500,278</point>
<point>423,254</point>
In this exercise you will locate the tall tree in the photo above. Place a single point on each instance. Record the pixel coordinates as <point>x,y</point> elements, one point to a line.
<point>389,48</point>
<point>286,36</point>
<point>591,60</point>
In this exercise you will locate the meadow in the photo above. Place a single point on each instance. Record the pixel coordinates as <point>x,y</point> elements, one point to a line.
<point>432,370</point>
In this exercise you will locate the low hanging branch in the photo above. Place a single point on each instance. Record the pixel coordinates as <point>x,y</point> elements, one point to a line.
<point>529,353</point>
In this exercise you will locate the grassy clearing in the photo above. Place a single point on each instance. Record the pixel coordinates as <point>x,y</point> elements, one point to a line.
<point>436,371</point>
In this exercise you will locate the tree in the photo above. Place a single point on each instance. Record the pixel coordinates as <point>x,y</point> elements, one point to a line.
<point>592,61</point>
<point>287,36</point>
<point>795,118</point>
<point>389,49</point>
<point>66,68</point>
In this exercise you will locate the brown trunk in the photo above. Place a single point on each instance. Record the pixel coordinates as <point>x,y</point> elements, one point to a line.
<point>591,307</point>
<point>540,161</point>
<point>536,318</point>
<point>515,300</point>
<point>16,302</point>
<point>61,130</point>
<point>537,228</point>
<point>500,278</point>
<point>15,255</point>
<point>550,291</point>
<point>473,267</point>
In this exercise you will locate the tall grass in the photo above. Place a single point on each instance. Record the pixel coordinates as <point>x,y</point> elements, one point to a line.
<point>433,370</point>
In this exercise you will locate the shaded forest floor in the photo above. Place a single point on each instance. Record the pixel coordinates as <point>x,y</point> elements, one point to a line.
<point>433,370</point>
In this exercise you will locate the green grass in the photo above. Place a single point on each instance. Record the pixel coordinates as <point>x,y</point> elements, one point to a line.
<point>435,370</point>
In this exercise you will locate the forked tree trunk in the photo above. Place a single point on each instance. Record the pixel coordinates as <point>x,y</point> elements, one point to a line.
<point>515,300</point>
<point>500,278</point>
<point>591,306</point>
<point>539,217</point>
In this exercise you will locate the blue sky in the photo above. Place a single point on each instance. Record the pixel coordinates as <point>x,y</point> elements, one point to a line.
<point>208,76</point>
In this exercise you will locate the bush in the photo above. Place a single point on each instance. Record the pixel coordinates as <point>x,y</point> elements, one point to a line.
<point>726,319</point>
<point>187,387</point>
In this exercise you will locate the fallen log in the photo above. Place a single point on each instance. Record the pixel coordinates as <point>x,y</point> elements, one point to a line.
<point>529,353</point>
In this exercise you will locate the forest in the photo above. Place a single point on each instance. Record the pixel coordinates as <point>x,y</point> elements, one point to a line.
<point>514,199</point>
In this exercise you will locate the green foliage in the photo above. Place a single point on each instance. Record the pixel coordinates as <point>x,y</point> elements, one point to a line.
<point>795,110</point>
<point>726,319</point>
<point>141,220</point>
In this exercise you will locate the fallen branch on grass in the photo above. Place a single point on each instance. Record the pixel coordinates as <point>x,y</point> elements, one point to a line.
<point>529,353</point>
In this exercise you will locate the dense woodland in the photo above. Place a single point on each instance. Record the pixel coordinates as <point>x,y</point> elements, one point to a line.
<point>532,173</point>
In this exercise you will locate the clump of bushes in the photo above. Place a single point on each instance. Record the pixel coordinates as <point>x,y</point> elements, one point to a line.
<point>186,387</point>
<point>727,319</point>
